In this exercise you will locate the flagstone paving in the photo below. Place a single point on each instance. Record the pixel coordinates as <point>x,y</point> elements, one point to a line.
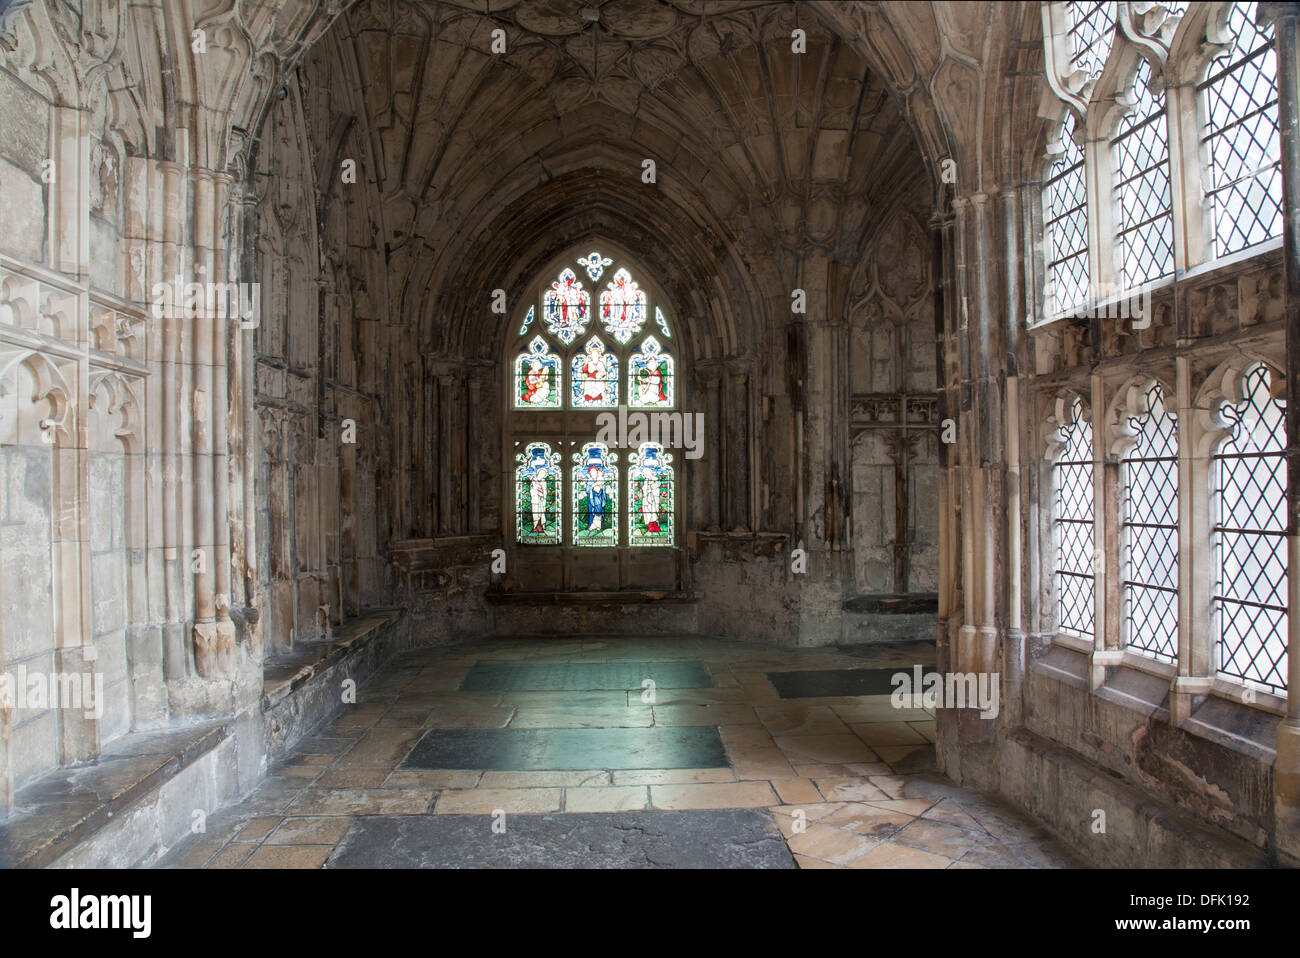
<point>848,781</point>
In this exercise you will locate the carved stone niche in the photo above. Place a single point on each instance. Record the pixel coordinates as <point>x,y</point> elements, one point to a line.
<point>1260,297</point>
<point>1212,309</point>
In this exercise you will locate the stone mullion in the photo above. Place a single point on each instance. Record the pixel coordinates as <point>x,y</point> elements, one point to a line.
<point>1105,541</point>
<point>1195,554</point>
<point>1189,210</point>
<point>1285,18</point>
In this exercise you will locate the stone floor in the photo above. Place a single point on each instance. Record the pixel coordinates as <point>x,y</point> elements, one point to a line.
<point>849,781</point>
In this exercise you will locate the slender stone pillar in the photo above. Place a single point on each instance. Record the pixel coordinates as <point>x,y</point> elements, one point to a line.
<point>1285,18</point>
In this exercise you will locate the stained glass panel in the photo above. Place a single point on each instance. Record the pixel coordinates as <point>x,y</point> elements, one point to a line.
<point>1149,531</point>
<point>595,376</point>
<point>650,376</point>
<point>537,377</point>
<point>622,307</point>
<point>567,308</point>
<point>1250,596</point>
<point>651,503</point>
<point>528,320</point>
<point>537,495</point>
<point>595,264</point>
<point>663,323</point>
<point>595,496</point>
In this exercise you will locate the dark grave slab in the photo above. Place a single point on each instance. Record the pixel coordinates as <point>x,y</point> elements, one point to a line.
<point>529,749</point>
<point>829,683</point>
<point>726,838</point>
<point>584,676</point>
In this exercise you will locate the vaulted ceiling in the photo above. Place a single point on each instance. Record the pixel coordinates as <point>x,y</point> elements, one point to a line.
<point>769,162</point>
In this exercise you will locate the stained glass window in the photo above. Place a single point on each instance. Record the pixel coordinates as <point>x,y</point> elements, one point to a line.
<point>622,307</point>
<point>608,504</point>
<point>650,376</point>
<point>537,377</point>
<point>595,376</point>
<point>1091,33</point>
<point>1141,150</point>
<point>1149,531</point>
<point>594,264</point>
<point>651,505</point>
<point>567,307</point>
<point>595,496</point>
<point>537,495</point>
<point>1065,202</point>
<point>1241,142</point>
<point>1072,517</point>
<point>1250,548</point>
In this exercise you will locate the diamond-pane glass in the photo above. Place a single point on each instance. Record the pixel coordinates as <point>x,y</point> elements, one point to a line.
<point>1091,34</point>
<point>1141,152</point>
<point>1241,142</point>
<point>1072,521</point>
<point>1250,550</point>
<point>1065,210</point>
<point>1149,531</point>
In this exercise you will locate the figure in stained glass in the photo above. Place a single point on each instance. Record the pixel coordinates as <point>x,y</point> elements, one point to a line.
<point>537,495</point>
<point>622,307</point>
<point>567,307</point>
<point>595,496</point>
<point>650,375</point>
<point>650,483</point>
<point>537,376</point>
<point>595,376</point>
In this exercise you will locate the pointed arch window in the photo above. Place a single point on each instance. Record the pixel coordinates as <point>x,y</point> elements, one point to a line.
<point>1250,548</point>
<point>1072,521</point>
<point>1239,105</point>
<point>573,486</point>
<point>1142,192</point>
<point>1149,530</point>
<point>1065,211</point>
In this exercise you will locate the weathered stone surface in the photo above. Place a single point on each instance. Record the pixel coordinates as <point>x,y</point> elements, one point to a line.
<point>696,839</point>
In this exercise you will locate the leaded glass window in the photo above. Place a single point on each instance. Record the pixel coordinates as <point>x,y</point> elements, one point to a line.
<point>568,376</point>
<point>537,376</point>
<point>1149,531</point>
<point>1240,141</point>
<point>537,495</point>
<point>1072,519</point>
<point>595,496</point>
<point>1065,210</point>
<point>1142,199</point>
<point>1091,34</point>
<point>1250,548</point>
<point>650,480</point>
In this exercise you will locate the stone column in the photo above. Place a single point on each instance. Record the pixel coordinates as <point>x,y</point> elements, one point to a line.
<point>446,425</point>
<point>1285,18</point>
<point>167,230</point>
<point>1014,661</point>
<point>712,377</point>
<point>738,448</point>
